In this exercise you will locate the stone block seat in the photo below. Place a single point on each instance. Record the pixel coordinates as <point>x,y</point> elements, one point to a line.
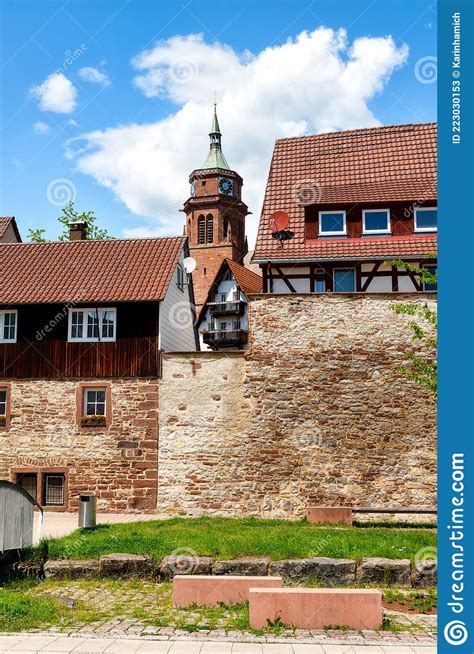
<point>212,589</point>
<point>316,608</point>
<point>329,515</point>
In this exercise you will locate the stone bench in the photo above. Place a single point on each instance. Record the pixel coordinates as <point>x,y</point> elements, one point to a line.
<point>212,590</point>
<point>329,515</point>
<point>316,608</point>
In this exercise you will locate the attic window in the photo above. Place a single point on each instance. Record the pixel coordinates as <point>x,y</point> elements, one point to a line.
<point>426,220</point>
<point>92,325</point>
<point>376,221</point>
<point>332,223</point>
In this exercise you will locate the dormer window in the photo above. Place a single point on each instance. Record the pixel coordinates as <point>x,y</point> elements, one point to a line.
<point>332,223</point>
<point>8,325</point>
<point>376,221</point>
<point>426,220</point>
<point>92,325</point>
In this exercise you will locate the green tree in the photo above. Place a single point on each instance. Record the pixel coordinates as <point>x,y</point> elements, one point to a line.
<point>420,369</point>
<point>70,215</point>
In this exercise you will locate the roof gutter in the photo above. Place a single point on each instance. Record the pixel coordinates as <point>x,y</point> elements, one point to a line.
<point>414,257</point>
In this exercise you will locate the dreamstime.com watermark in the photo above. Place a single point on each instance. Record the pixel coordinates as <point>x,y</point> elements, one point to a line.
<point>455,632</point>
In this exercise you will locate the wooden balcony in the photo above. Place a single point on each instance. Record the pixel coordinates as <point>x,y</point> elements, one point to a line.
<point>236,308</point>
<point>225,338</point>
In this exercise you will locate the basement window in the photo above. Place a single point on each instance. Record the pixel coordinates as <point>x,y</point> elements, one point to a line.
<point>332,223</point>
<point>92,325</point>
<point>53,489</point>
<point>8,325</point>
<point>29,482</point>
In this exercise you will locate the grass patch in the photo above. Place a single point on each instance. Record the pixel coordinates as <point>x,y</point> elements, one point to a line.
<point>229,538</point>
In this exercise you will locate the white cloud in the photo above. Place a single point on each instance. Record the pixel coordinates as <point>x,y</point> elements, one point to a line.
<point>40,128</point>
<point>313,83</point>
<point>94,75</point>
<point>57,93</point>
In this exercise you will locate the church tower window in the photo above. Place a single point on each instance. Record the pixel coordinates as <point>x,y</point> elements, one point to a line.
<point>202,229</point>
<point>210,228</point>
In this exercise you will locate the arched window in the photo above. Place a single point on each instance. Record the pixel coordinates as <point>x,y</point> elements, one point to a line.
<point>226,226</point>
<point>210,228</point>
<point>201,229</point>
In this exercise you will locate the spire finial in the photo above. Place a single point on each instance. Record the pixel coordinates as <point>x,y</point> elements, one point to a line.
<point>215,158</point>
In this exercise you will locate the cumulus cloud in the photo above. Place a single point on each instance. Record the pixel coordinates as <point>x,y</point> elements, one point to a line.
<point>314,83</point>
<point>94,75</point>
<point>40,128</point>
<point>57,93</point>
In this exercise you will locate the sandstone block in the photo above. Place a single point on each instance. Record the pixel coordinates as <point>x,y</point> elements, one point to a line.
<point>123,565</point>
<point>329,515</point>
<point>425,574</point>
<point>251,566</point>
<point>388,572</point>
<point>210,590</point>
<point>71,569</point>
<point>332,572</point>
<point>185,564</point>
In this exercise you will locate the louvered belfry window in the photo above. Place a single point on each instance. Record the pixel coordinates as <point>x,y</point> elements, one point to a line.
<point>210,228</point>
<point>201,229</point>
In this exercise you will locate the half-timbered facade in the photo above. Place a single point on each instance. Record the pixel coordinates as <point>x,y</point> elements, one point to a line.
<point>223,322</point>
<point>82,328</point>
<point>356,202</point>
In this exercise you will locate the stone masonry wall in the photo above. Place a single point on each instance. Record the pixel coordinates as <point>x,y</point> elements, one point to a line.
<point>315,412</point>
<point>119,464</point>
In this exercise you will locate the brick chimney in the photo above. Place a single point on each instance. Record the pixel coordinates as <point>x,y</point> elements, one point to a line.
<point>78,230</point>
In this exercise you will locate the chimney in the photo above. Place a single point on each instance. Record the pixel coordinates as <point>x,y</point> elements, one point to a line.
<point>78,230</point>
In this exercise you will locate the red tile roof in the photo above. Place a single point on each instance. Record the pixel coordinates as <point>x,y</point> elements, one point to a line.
<point>248,281</point>
<point>381,164</point>
<point>115,270</point>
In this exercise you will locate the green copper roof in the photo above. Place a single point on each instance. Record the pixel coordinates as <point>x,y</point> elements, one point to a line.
<point>215,158</point>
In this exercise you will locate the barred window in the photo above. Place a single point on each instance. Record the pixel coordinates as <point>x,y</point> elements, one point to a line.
<point>210,228</point>
<point>201,229</point>
<point>53,490</point>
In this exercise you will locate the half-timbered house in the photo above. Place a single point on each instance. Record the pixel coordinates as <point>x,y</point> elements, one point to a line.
<point>82,327</point>
<point>356,202</point>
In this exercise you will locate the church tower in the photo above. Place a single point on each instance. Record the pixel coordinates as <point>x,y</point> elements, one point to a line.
<point>215,216</point>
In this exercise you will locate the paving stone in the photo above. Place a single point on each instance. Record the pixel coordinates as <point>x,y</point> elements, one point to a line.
<point>425,574</point>
<point>395,572</point>
<point>332,572</point>
<point>185,565</point>
<point>251,566</point>
<point>71,569</point>
<point>123,565</point>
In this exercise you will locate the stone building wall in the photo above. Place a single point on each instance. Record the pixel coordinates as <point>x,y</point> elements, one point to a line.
<point>315,412</point>
<point>118,464</point>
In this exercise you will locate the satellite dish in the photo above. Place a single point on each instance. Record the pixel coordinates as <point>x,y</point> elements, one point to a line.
<point>278,221</point>
<point>189,265</point>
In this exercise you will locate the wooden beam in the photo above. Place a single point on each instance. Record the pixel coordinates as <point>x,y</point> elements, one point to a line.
<point>394,278</point>
<point>285,279</point>
<point>370,277</point>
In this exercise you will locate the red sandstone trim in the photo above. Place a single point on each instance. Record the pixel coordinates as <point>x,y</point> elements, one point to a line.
<point>6,386</point>
<point>40,473</point>
<point>80,406</point>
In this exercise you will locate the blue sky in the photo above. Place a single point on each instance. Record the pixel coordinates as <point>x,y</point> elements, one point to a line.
<point>126,119</point>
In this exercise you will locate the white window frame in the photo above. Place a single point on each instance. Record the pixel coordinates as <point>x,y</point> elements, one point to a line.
<point>3,312</point>
<point>425,229</point>
<point>376,231</point>
<point>321,233</point>
<point>87,390</point>
<point>92,339</point>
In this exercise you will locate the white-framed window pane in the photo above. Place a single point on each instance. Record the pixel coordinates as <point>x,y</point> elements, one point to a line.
<point>376,221</point>
<point>8,326</point>
<point>344,280</point>
<point>108,324</point>
<point>77,324</point>
<point>332,222</point>
<point>426,219</point>
<point>92,324</point>
<point>3,401</point>
<point>94,402</point>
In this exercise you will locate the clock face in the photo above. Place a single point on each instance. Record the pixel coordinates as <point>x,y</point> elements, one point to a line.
<point>226,186</point>
<point>193,189</point>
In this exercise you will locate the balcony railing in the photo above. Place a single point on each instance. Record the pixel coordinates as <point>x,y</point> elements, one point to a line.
<point>225,338</point>
<point>235,308</point>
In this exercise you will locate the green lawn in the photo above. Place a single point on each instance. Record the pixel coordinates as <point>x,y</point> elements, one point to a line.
<point>228,538</point>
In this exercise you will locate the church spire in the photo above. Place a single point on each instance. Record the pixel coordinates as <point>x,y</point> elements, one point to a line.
<point>215,158</point>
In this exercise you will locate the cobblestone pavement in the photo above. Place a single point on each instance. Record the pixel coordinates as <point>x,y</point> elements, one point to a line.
<point>200,644</point>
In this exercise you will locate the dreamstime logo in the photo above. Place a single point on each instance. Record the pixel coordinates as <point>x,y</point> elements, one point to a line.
<point>184,561</point>
<point>181,315</point>
<point>426,69</point>
<point>61,191</point>
<point>429,555</point>
<point>183,69</point>
<point>455,632</point>
<point>307,191</point>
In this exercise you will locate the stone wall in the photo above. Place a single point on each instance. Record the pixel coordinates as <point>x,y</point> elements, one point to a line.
<point>315,413</point>
<point>118,464</point>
